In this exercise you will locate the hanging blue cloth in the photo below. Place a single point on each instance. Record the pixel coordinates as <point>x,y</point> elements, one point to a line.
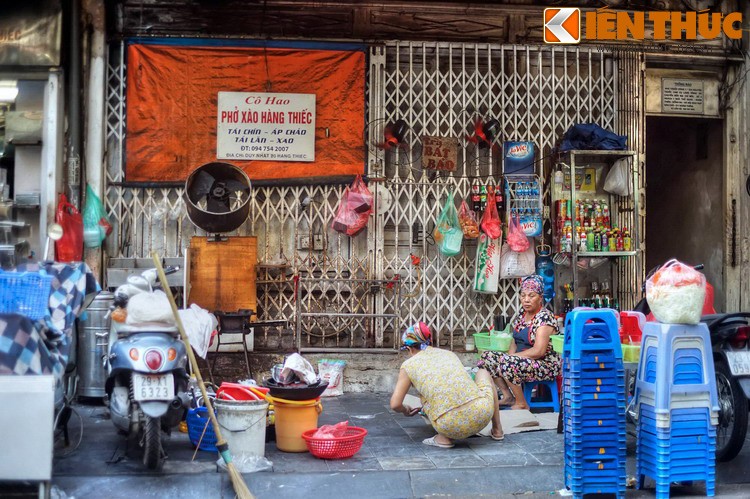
<point>591,136</point>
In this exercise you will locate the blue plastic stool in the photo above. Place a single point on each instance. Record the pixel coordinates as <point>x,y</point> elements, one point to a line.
<point>551,385</point>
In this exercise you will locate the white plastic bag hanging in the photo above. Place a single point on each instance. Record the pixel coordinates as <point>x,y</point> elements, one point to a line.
<point>618,179</point>
<point>516,264</point>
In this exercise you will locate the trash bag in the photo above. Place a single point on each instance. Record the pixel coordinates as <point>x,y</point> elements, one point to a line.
<point>96,225</point>
<point>468,221</point>
<point>618,179</point>
<point>592,137</point>
<point>491,224</point>
<point>70,247</point>
<point>517,239</point>
<point>675,293</point>
<point>448,233</point>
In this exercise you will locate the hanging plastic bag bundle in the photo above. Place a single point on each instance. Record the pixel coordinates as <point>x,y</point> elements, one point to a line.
<point>96,225</point>
<point>70,247</point>
<point>675,293</point>
<point>468,220</point>
<point>491,224</point>
<point>448,234</point>
<point>517,239</point>
<point>487,273</point>
<point>360,197</point>
<point>354,209</point>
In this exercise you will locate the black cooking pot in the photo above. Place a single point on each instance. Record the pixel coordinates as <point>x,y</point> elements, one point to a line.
<point>302,392</point>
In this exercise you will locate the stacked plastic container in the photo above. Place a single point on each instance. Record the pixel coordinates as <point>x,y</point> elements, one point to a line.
<point>677,407</point>
<point>593,403</point>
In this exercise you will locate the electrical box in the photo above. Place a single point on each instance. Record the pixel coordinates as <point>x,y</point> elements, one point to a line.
<point>318,242</point>
<point>303,243</point>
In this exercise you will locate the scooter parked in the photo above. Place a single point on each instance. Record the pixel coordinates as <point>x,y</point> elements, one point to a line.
<point>730,335</point>
<point>147,378</point>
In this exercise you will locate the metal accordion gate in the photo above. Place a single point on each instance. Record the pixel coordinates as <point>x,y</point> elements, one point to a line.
<point>535,92</point>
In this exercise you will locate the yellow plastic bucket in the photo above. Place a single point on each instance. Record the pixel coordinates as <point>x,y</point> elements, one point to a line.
<point>292,420</point>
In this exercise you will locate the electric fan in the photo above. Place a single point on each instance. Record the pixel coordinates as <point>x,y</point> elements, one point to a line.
<point>217,197</point>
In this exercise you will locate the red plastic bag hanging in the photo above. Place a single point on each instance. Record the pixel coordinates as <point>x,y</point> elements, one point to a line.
<point>468,221</point>
<point>70,247</point>
<point>517,239</point>
<point>490,219</point>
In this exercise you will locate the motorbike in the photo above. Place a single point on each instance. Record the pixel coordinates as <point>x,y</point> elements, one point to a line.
<point>147,382</point>
<point>729,334</point>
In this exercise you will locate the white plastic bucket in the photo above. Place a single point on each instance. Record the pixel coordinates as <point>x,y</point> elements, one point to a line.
<point>243,425</point>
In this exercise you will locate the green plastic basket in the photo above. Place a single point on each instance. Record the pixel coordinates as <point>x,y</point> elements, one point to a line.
<point>557,342</point>
<point>495,343</point>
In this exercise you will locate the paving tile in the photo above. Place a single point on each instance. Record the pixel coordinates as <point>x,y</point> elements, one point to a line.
<point>478,481</point>
<point>419,433</point>
<point>405,451</point>
<point>355,463</point>
<point>550,458</point>
<point>510,459</point>
<point>197,486</point>
<point>340,485</point>
<point>410,463</point>
<point>284,462</point>
<point>457,461</point>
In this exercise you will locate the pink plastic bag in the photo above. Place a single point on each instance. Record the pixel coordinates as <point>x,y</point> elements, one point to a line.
<point>348,221</point>
<point>517,239</point>
<point>360,197</point>
<point>332,431</point>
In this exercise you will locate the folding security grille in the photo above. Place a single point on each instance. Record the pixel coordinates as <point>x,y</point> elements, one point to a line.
<point>536,93</point>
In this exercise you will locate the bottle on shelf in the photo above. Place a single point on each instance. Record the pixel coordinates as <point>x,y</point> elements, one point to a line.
<point>482,197</point>
<point>476,203</point>
<point>626,241</point>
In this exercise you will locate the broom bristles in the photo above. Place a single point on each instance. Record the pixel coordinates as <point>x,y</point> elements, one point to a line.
<point>240,488</point>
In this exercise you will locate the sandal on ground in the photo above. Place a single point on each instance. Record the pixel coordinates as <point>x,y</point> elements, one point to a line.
<point>493,437</point>
<point>433,442</point>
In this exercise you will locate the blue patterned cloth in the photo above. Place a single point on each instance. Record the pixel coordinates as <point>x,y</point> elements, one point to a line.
<point>43,346</point>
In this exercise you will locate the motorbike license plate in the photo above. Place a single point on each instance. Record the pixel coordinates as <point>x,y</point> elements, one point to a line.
<point>153,387</point>
<point>739,363</point>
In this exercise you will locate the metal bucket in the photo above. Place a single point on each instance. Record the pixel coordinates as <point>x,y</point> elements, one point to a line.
<point>93,345</point>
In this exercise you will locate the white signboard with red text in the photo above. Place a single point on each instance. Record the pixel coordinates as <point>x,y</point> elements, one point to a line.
<point>265,126</point>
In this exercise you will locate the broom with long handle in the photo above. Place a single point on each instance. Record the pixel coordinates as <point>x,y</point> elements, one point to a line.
<point>237,482</point>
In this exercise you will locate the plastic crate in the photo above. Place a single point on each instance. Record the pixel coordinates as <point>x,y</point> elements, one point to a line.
<point>631,353</point>
<point>557,342</point>
<point>495,343</point>
<point>25,293</point>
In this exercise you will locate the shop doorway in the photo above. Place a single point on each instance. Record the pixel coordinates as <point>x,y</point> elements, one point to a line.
<point>685,195</point>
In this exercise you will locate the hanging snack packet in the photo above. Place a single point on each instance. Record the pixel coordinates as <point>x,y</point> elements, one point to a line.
<point>468,220</point>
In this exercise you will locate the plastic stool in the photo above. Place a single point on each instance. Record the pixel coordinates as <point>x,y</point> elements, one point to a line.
<point>551,386</point>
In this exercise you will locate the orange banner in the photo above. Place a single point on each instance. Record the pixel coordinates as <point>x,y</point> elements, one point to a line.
<point>172,96</point>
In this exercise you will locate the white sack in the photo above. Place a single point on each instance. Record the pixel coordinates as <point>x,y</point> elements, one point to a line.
<point>150,309</point>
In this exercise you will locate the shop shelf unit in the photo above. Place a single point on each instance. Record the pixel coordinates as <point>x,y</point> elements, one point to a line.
<point>586,163</point>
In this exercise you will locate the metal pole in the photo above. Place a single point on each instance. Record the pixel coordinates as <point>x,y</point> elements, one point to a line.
<point>75,139</point>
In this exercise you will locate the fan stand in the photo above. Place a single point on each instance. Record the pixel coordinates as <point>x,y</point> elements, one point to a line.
<point>216,238</point>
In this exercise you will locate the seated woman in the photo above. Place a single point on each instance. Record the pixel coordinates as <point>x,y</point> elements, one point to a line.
<point>456,406</point>
<point>530,357</point>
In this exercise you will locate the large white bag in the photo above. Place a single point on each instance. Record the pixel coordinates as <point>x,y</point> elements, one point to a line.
<point>487,273</point>
<point>515,264</point>
<point>618,179</point>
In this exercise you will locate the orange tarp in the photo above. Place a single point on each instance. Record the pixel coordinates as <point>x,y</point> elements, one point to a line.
<point>172,94</point>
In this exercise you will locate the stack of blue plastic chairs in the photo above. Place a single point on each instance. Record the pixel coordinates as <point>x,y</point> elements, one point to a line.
<point>677,407</point>
<point>593,404</point>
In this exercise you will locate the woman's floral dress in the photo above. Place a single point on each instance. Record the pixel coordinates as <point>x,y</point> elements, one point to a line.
<point>517,369</point>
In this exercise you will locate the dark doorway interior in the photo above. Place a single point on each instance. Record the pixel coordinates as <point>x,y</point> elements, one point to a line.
<point>684,195</point>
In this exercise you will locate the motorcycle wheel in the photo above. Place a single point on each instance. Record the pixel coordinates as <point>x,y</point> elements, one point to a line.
<point>152,452</point>
<point>730,434</point>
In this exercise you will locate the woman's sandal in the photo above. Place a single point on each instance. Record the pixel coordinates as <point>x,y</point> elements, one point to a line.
<point>493,437</point>
<point>433,442</point>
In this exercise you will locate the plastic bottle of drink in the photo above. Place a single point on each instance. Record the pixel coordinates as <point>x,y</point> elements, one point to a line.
<point>597,240</point>
<point>476,203</point>
<point>626,241</point>
<point>605,240</point>
<point>620,242</point>
<point>482,197</point>
<point>590,240</point>
<point>613,240</point>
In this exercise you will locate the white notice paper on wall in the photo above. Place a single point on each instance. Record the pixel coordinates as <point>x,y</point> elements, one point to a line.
<point>265,126</point>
